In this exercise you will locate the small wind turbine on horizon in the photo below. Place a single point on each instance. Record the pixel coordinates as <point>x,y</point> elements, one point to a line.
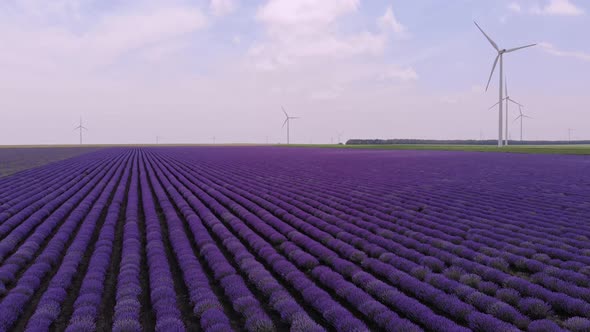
<point>507,99</point>
<point>287,120</point>
<point>80,127</point>
<point>521,116</point>
<point>499,57</point>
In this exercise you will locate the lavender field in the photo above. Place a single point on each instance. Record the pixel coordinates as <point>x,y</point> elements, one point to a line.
<point>300,239</point>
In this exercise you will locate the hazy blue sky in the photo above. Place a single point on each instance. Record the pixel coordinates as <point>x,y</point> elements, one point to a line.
<point>188,70</point>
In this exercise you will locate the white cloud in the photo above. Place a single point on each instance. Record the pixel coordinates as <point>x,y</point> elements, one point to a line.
<point>389,22</point>
<point>60,9</point>
<point>120,33</point>
<point>549,48</point>
<point>399,73</point>
<point>101,43</point>
<point>305,12</point>
<point>557,7</point>
<point>515,7</point>
<point>299,30</point>
<point>222,7</point>
<point>331,93</point>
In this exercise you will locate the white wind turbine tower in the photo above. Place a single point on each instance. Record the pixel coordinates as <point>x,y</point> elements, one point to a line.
<point>508,99</point>
<point>500,57</point>
<point>521,116</point>
<point>81,127</point>
<point>287,120</point>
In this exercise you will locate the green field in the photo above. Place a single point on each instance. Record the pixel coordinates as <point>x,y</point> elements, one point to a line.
<point>553,149</point>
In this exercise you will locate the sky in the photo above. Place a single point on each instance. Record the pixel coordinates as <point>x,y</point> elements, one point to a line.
<point>195,71</point>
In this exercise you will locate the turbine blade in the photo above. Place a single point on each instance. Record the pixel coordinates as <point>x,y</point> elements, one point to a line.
<point>519,48</point>
<point>287,115</point>
<point>518,117</point>
<point>284,123</point>
<point>526,116</point>
<point>515,102</point>
<point>492,72</point>
<point>496,104</point>
<point>488,38</point>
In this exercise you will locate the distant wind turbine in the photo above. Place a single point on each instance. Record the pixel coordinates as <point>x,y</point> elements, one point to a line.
<point>521,116</point>
<point>507,99</point>
<point>287,120</point>
<point>81,127</point>
<point>500,57</point>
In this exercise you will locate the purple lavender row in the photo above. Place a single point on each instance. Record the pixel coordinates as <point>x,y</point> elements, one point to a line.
<point>526,248</point>
<point>24,194</point>
<point>570,303</point>
<point>16,300</point>
<point>266,251</point>
<point>26,160</point>
<point>43,206</point>
<point>385,317</point>
<point>350,269</point>
<point>288,309</point>
<point>20,187</point>
<point>127,309</point>
<point>543,231</point>
<point>521,262</point>
<point>242,299</point>
<point>447,203</point>
<point>49,306</point>
<point>35,176</point>
<point>567,271</point>
<point>280,300</point>
<point>388,319</point>
<point>206,306</point>
<point>25,252</point>
<point>327,174</point>
<point>87,304</point>
<point>74,209</point>
<point>447,210</point>
<point>448,230</point>
<point>162,292</point>
<point>370,247</point>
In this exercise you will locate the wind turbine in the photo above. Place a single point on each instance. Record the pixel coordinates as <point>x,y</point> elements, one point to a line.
<point>521,116</point>
<point>287,120</point>
<point>81,127</point>
<point>500,57</point>
<point>507,99</point>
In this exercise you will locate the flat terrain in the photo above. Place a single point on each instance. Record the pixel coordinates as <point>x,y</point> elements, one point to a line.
<point>274,238</point>
<point>15,159</point>
<point>544,149</point>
